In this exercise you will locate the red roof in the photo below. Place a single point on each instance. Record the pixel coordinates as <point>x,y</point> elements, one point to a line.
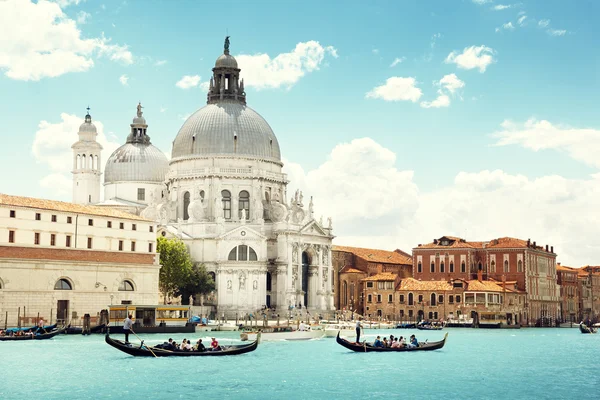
<point>373,255</point>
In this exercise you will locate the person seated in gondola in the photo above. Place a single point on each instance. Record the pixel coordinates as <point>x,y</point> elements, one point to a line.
<point>200,346</point>
<point>214,345</point>
<point>378,342</point>
<point>385,342</point>
<point>186,346</point>
<point>402,342</point>
<point>413,342</point>
<point>395,344</point>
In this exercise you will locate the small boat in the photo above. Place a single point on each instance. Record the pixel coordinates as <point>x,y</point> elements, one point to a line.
<point>144,351</point>
<point>35,336</point>
<point>429,327</point>
<point>332,329</point>
<point>287,333</point>
<point>365,347</point>
<point>47,328</point>
<point>587,329</point>
<point>406,325</point>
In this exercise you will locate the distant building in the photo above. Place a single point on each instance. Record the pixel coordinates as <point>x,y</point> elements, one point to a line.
<point>532,267</point>
<point>353,264</point>
<point>569,293</point>
<point>589,292</point>
<point>63,260</point>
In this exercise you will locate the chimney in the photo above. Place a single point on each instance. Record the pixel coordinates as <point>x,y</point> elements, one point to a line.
<point>480,275</point>
<point>528,242</point>
<point>534,246</point>
<point>551,249</point>
<point>546,248</point>
<point>434,241</point>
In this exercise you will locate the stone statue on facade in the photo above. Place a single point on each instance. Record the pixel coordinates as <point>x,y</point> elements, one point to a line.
<point>329,222</point>
<point>242,281</point>
<point>311,208</point>
<point>229,284</point>
<point>321,221</point>
<point>255,285</point>
<point>243,216</point>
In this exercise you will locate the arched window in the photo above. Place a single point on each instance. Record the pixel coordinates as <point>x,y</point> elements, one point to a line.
<point>419,267</point>
<point>96,162</point>
<point>506,268</point>
<point>420,298</point>
<point>432,268</point>
<point>126,286</point>
<point>226,204</point>
<point>493,266</point>
<point>186,203</point>
<point>213,276</point>
<point>520,266</point>
<point>451,266</point>
<point>202,195</point>
<point>345,292</point>
<point>480,266</point>
<point>244,204</point>
<point>78,164</point>
<point>83,162</point>
<point>463,267</point>
<point>63,284</point>
<point>433,299</point>
<point>268,281</point>
<point>242,253</point>
<point>410,299</point>
<point>442,267</point>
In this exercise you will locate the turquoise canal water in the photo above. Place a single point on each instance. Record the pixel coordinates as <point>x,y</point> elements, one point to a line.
<point>474,364</point>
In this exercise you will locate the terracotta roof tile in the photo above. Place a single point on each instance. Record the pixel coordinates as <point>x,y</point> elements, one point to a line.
<point>53,205</point>
<point>483,286</point>
<point>384,276</point>
<point>412,284</point>
<point>374,255</point>
<point>349,270</point>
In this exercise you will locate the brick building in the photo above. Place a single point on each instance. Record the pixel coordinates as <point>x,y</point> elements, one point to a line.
<point>569,293</point>
<point>589,292</point>
<point>506,259</point>
<point>353,264</point>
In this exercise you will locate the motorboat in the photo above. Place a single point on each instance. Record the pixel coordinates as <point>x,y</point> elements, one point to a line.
<point>304,332</point>
<point>345,329</point>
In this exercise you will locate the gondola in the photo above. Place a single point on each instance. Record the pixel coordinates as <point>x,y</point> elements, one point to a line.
<point>47,328</point>
<point>367,347</point>
<point>143,351</point>
<point>40,336</point>
<point>429,328</point>
<point>587,329</point>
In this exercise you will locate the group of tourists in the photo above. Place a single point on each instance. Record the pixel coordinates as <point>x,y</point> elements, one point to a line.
<point>396,343</point>
<point>186,345</point>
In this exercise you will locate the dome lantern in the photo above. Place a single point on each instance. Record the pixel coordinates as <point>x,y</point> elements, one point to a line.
<point>225,83</point>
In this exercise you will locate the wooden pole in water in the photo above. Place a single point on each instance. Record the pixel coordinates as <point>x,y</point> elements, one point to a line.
<point>19,318</point>
<point>6,321</point>
<point>51,310</point>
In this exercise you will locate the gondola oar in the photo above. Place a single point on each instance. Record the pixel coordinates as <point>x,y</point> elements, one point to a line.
<point>140,339</point>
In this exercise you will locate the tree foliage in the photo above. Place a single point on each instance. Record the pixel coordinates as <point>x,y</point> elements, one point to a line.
<point>176,265</point>
<point>199,281</point>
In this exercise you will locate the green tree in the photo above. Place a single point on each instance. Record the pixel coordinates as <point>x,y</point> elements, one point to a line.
<point>176,266</point>
<point>199,281</point>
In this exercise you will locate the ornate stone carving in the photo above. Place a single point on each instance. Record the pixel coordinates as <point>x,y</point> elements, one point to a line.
<point>242,280</point>
<point>278,212</point>
<point>196,208</point>
<point>229,284</point>
<point>255,285</point>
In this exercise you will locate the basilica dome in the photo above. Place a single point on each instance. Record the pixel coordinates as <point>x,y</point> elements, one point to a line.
<point>226,126</point>
<point>137,160</point>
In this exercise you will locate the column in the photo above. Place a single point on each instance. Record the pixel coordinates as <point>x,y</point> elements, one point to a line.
<point>321,290</point>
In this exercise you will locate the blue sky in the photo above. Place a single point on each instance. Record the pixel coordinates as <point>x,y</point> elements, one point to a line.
<point>487,63</point>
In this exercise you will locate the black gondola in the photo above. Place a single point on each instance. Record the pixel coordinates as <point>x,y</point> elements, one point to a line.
<point>587,329</point>
<point>40,336</point>
<point>429,328</point>
<point>143,351</point>
<point>367,347</point>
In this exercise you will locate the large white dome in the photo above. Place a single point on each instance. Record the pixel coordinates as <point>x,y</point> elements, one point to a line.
<point>136,162</point>
<point>226,127</point>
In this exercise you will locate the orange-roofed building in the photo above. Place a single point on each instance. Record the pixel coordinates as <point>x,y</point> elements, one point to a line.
<point>569,293</point>
<point>380,292</point>
<point>589,292</point>
<point>352,264</point>
<point>532,267</point>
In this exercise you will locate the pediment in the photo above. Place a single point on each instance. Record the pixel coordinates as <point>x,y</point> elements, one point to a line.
<point>242,233</point>
<point>313,228</point>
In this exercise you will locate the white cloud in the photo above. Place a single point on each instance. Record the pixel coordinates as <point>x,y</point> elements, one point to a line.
<point>396,88</point>
<point>582,144</point>
<point>124,79</point>
<point>188,81</point>
<point>52,147</point>
<point>82,17</point>
<point>448,85</point>
<point>481,2</point>
<point>522,19</point>
<point>501,7</point>
<point>37,40</point>
<point>58,184</point>
<point>397,61</point>
<point>557,32</point>
<point>163,109</point>
<point>441,101</point>
<point>284,70</point>
<point>434,39</point>
<point>375,51</point>
<point>160,63</point>
<point>204,86</point>
<point>472,57</point>
<point>67,3</point>
<point>507,27</point>
<point>373,204</point>
<point>544,23</point>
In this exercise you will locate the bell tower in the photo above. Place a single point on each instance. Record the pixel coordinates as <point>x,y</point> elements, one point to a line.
<point>225,84</point>
<point>86,164</point>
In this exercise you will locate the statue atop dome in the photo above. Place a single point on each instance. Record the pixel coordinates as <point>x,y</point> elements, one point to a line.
<point>226,46</point>
<point>139,109</point>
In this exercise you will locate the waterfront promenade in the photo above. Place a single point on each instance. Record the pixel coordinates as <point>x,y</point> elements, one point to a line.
<point>475,364</point>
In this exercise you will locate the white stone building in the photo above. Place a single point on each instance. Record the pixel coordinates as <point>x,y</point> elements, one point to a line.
<point>64,260</point>
<point>226,197</point>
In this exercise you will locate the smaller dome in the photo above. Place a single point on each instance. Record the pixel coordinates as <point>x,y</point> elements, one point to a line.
<point>226,61</point>
<point>88,127</point>
<point>139,121</point>
<point>136,162</point>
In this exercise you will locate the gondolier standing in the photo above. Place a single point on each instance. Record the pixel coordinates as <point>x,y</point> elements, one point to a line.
<point>358,328</point>
<point>127,324</point>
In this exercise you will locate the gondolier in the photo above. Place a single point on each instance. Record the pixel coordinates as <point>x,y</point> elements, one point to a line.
<point>358,328</point>
<point>127,324</point>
